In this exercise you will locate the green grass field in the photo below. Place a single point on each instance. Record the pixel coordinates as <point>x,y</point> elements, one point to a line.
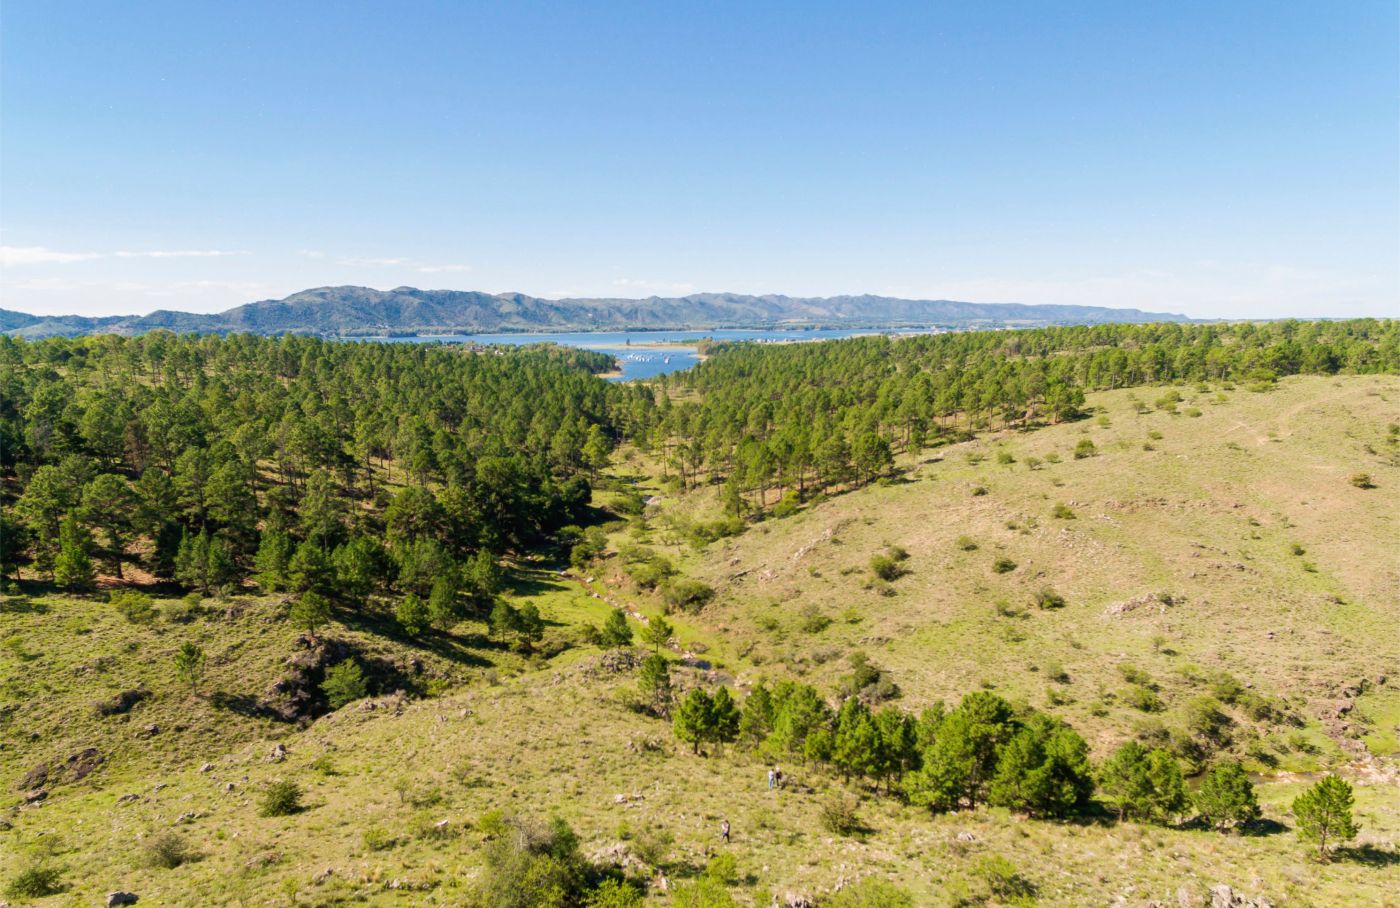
<point>1210,516</point>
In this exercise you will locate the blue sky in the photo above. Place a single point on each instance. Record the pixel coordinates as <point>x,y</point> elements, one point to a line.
<point>1238,159</point>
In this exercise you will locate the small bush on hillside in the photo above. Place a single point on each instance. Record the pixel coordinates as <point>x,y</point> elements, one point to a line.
<point>533,863</point>
<point>281,799</point>
<point>652,572</point>
<point>839,815</point>
<point>813,621</point>
<point>168,851</point>
<point>687,594</point>
<point>1056,672</point>
<point>786,506</point>
<point>1061,511</point>
<point>611,893</point>
<point>871,892</point>
<point>1052,457</point>
<point>1033,463</point>
<point>886,568</point>
<point>979,491</point>
<point>134,606</point>
<point>1005,458</point>
<point>653,844</point>
<point>722,868</point>
<point>1134,675</point>
<point>1047,598</point>
<point>1143,698</point>
<point>34,882</point>
<point>1003,566</point>
<point>967,543</point>
<point>1004,881</point>
<point>702,893</point>
<point>1085,448</point>
<point>377,838</point>
<point>1362,481</point>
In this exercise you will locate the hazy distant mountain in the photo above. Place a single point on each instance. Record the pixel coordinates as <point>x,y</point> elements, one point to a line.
<point>352,311</point>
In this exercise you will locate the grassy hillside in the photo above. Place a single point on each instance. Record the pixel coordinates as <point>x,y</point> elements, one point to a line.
<point>1211,515</point>
<point>1218,535</point>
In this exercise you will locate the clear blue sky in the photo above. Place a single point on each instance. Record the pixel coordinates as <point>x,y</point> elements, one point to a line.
<point>1218,159</point>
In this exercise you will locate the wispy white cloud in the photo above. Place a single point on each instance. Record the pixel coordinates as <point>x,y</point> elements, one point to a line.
<point>179,254</point>
<point>14,256</point>
<point>654,286</point>
<point>11,256</point>
<point>388,262</point>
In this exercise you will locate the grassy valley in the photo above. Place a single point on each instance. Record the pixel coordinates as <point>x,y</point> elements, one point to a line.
<point>1205,566</point>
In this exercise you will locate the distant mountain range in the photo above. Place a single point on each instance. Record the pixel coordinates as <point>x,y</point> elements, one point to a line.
<point>363,312</point>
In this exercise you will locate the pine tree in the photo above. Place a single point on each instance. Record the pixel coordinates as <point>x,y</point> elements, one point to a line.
<point>656,633</point>
<point>443,608</point>
<point>412,615</point>
<point>1145,784</point>
<point>724,718</point>
<point>189,664</point>
<point>309,612</point>
<point>1226,798</point>
<point>273,558</point>
<point>616,633</point>
<point>1324,816</point>
<point>72,566</point>
<point>654,684</point>
<point>693,718</point>
<point>756,719</point>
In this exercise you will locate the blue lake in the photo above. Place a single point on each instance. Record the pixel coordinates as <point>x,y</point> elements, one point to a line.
<point>645,354</point>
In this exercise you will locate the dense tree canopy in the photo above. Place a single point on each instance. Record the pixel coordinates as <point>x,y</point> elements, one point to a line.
<point>335,469</point>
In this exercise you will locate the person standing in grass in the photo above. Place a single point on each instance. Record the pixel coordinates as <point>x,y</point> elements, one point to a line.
<point>724,831</point>
<point>772,777</point>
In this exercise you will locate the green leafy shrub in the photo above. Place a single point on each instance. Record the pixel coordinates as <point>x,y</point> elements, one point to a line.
<point>1003,566</point>
<point>281,799</point>
<point>1047,598</point>
<point>377,838</point>
<point>35,882</point>
<point>134,606</point>
<point>839,815</point>
<point>687,594</point>
<point>167,851</point>
<point>1062,511</point>
<point>967,543</point>
<point>886,568</point>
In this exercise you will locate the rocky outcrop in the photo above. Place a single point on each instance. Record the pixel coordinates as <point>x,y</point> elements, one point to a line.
<point>1222,896</point>
<point>121,703</point>
<point>77,767</point>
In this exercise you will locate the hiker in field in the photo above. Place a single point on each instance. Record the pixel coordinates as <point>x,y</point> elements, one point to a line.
<point>777,777</point>
<point>772,777</point>
<point>724,831</point>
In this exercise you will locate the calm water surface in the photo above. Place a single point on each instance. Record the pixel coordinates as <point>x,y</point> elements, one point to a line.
<point>644,354</point>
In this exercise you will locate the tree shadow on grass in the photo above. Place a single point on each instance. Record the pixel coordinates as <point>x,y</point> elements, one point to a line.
<point>1370,855</point>
<point>533,581</point>
<point>1263,827</point>
<point>244,705</point>
<point>454,647</point>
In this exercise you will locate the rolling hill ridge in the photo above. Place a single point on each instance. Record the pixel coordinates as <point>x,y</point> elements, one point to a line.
<point>363,311</point>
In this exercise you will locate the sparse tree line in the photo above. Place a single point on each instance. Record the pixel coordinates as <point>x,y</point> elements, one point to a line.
<point>984,751</point>
<point>798,418</point>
